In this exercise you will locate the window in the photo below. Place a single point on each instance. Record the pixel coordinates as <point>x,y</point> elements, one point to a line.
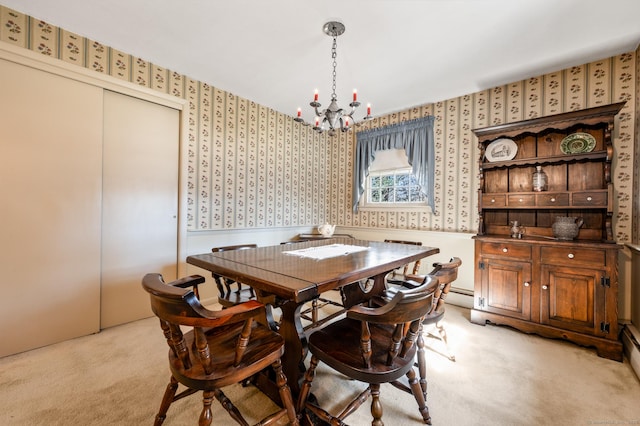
<point>393,187</point>
<point>391,184</point>
<point>415,138</point>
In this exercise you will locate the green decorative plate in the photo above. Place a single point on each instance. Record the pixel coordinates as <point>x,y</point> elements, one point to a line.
<point>578,143</point>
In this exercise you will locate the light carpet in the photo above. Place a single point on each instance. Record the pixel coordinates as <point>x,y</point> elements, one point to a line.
<point>500,377</point>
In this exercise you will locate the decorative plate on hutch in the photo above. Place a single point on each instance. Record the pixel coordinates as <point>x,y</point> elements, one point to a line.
<point>503,149</point>
<point>578,143</point>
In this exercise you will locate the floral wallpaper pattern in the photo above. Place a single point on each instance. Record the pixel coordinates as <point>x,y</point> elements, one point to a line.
<point>252,167</point>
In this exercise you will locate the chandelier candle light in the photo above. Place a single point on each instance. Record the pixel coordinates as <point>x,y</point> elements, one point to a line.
<point>333,117</point>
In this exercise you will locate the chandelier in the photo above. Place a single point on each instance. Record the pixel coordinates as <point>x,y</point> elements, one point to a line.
<point>333,117</point>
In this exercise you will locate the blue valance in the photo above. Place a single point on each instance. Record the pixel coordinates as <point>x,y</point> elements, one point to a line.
<point>414,136</point>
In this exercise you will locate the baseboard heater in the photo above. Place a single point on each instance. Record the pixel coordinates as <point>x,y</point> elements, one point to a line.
<point>461,291</point>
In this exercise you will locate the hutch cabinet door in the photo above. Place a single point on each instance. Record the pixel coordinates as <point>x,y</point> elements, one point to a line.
<point>573,299</point>
<point>505,287</point>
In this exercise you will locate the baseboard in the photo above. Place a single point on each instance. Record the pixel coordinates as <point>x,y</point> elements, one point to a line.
<point>631,344</point>
<point>460,298</point>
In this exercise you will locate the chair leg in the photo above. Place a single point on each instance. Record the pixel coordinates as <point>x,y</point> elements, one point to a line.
<point>354,404</point>
<point>422,365</point>
<point>376,406</point>
<point>226,404</point>
<point>416,390</point>
<point>306,384</point>
<point>314,310</point>
<point>206,417</point>
<point>167,399</point>
<point>285,393</point>
<point>443,337</point>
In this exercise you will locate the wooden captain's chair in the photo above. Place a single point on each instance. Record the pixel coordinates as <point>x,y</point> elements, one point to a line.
<point>231,292</point>
<point>395,277</point>
<point>222,348</point>
<point>446,273</point>
<point>371,345</point>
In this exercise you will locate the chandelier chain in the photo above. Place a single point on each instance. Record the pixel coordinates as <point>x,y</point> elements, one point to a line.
<point>334,54</point>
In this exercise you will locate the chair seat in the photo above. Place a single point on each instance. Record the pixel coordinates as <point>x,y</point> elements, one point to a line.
<point>346,357</point>
<point>263,349</point>
<point>433,317</point>
<point>237,297</point>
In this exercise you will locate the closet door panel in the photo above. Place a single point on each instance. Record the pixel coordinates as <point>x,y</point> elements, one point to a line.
<point>50,184</point>
<point>140,203</point>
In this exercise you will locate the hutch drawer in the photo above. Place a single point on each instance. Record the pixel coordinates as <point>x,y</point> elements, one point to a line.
<point>590,198</point>
<point>568,256</point>
<point>494,200</point>
<point>515,251</point>
<point>522,200</point>
<point>552,199</point>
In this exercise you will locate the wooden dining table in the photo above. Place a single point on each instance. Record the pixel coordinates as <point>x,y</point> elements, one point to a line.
<point>289,275</point>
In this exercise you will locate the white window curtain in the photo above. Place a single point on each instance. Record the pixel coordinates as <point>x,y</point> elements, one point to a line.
<point>414,136</point>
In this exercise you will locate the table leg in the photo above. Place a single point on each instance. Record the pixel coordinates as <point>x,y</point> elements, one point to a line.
<point>295,345</point>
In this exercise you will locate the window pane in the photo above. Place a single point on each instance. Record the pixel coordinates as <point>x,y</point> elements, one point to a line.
<point>416,195</point>
<point>375,181</point>
<point>402,195</point>
<point>387,180</point>
<point>375,196</point>
<point>387,195</point>
<point>402,180</point>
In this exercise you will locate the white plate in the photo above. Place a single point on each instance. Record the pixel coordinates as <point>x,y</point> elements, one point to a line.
<point>502,149</point>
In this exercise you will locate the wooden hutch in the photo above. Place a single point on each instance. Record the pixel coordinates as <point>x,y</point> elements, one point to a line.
<point>529,279</point>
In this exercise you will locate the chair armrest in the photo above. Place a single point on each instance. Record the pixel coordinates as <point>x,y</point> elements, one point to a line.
<point>410,281</point>
<point>391,297</point>
<point>190,281</point>
<point>414,281</point>
<point>365,313</point>
<point>233,314</point>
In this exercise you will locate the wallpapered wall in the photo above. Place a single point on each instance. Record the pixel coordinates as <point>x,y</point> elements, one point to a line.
<point>251,167</point>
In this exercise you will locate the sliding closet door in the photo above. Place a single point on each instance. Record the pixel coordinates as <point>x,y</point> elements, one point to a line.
<point>140,204</point>
<point>50,186</point>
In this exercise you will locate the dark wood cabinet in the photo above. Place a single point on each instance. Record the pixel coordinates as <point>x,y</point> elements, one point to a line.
<point>505,279</point>
<point>530,279</point>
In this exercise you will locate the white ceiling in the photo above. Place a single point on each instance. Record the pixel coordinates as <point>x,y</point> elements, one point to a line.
<point>397,53</point>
